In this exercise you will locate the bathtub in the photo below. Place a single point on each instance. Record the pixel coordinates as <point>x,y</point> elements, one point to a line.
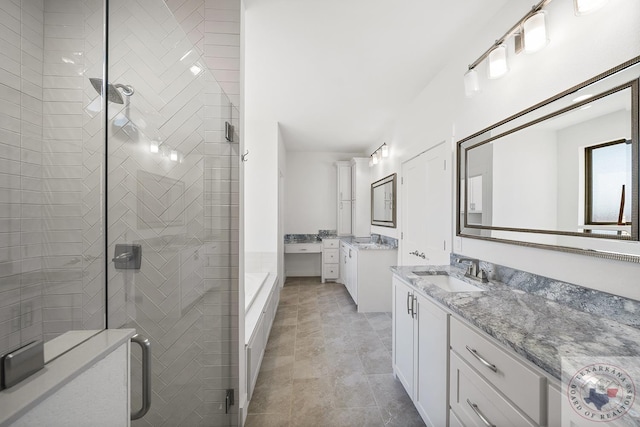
<point>252,284</point>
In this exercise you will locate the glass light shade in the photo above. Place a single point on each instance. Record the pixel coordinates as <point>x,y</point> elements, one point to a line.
<point>370,161</point>
<point>471,83</point>
<point>173,156</point>
<point>375,158</point>
<point>385,150</point>
<point>535,32</point>
<point>154,147</point>
<point>584,7</point>
<point>498,66</point>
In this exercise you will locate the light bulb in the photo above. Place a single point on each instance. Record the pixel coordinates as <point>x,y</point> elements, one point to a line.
<point>173,156</point>
<point>535,32</point>
<point>375,158</point>
<point>385,150</point>
<point>471,83</point>
<point>584,7</point>
<point>498,66</point>
<point>154,147</point>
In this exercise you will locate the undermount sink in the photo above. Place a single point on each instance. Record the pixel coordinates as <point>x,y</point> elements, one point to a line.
<point>447,283</point>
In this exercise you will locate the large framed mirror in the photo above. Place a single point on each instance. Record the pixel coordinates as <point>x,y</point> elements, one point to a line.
<point>560,175</point>
<point>383,202</point>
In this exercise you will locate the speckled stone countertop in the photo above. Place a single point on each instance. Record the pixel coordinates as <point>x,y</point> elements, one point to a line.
<point>540,330</point>
<point>375,242</point>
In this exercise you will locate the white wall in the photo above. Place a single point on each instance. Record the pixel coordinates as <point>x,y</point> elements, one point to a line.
<point>441,112</point>
<point>311,188</point>
<point>261,186</point>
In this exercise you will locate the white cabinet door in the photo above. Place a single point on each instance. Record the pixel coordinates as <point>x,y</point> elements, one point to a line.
<point>353,274</point>
<point>403,335</point>
<point>432,356</point>
<point>344,217</point>
<point>426,207</point>
<point>344,181</point>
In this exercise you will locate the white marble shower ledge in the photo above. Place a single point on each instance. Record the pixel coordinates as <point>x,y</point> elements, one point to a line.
<point>61,367</point>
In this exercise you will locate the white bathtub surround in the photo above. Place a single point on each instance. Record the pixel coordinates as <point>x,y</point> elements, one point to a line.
<point>261,302</point>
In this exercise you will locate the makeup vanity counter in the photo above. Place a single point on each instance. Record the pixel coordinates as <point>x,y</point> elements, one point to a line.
<point>528,332</point>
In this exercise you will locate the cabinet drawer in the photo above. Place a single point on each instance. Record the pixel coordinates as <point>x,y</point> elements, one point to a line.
<point>515,380</point>
<point>330,256</point>
<point>330,243</point>
<point>331,271</point>
<point>473,398</point>
<point>294,248</point>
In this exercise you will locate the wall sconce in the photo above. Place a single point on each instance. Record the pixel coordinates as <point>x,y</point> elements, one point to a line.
<point>530,34</point>
<point>380,153</point>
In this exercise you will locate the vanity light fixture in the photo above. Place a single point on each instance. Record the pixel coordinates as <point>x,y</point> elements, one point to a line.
<point>534,29</point>
<point>384,149</point>
<point>498,66</point>
<point>530,34</point>
<point>380,153</point>
<point>584,7</point>
<point>471,83</point>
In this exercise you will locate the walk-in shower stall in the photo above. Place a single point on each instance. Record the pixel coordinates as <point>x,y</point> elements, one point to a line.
<point>121,211</point>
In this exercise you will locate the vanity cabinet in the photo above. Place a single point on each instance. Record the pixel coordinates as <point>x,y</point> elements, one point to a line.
<point>330,259</point>
<point>365,273</point>
<point>457,375</point>
<point>344,201</point>
<point>420,350</point>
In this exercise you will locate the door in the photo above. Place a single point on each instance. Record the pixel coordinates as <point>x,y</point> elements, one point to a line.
<point>426,208</point>
<point>403,334</point>
<point>172,192</point>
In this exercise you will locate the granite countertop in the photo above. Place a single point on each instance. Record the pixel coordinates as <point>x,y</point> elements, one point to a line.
<point>540,330</point>
<point>364,244</point>
<point>302,238</point>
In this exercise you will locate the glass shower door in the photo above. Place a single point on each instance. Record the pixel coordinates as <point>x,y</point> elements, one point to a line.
<point>172,196</point>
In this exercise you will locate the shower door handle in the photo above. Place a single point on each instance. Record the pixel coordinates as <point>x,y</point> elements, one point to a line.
<point>145,345</point>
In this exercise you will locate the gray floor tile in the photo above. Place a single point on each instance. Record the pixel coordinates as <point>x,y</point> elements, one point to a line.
<point>328,365</point>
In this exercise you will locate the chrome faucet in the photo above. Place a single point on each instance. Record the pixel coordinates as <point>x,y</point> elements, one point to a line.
<point>473,270</point>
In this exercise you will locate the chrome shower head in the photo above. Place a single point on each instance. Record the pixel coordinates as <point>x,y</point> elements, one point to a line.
<point>113,94</point>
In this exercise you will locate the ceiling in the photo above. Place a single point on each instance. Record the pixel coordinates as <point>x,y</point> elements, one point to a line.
<point>336,73</point>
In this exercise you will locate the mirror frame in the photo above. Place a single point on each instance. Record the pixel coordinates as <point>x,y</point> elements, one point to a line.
<point>391,224</point>
<point>474,141</point>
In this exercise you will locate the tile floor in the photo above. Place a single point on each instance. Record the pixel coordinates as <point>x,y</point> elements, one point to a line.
<point>327,365</point>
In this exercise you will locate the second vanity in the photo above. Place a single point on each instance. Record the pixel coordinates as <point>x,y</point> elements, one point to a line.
<point>364,271</point>
<point>478,354</point>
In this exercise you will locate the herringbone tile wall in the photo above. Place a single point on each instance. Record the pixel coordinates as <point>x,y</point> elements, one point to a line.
<point>21,92</point>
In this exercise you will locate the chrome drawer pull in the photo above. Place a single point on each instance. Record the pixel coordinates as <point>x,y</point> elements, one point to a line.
<point>484,362</point>
<point>480,414</point>
<point>408,309</point>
